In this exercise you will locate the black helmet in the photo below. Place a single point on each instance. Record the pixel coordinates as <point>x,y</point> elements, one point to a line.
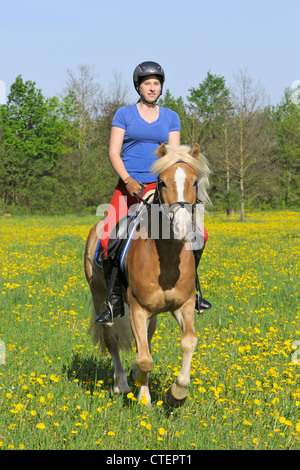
<point>148,68</point>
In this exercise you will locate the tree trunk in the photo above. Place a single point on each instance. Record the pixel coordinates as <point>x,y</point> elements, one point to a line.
<point>228,208</point>
<point>242,189</point>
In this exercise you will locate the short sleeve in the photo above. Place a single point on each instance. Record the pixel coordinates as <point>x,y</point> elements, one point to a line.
<point>119,119</point>
<point>175,124</point>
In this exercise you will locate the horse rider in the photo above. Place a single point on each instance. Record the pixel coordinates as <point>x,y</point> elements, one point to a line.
<point>139,129</point>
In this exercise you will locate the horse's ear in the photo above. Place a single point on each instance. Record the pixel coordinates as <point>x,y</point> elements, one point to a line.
<point>195,151</point>
<point>162,151</point>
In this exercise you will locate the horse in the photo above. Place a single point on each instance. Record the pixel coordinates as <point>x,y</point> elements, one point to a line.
<point>160,273</point>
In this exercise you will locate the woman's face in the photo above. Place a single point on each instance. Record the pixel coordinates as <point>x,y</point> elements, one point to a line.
<point>150,89</point>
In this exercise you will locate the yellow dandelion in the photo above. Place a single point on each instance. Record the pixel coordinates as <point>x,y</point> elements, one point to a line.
<point>144,400</point>
<point>131,396</point>
<point>41,426</point>
<point>247,423</point>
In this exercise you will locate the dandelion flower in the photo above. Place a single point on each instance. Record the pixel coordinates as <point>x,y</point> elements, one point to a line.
<point>41,426</point>
<point>247,423</point>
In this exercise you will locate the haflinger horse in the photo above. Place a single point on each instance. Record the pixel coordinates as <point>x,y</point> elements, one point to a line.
<point>160,274</point>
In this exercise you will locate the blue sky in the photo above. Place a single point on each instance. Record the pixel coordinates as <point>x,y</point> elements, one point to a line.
<point>41,39</point>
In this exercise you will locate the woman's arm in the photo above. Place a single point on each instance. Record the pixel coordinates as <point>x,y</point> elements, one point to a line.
<point>174,138</point>
<point>114,152</point>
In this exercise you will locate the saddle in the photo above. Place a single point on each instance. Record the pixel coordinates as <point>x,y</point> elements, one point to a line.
<point>122,234</point>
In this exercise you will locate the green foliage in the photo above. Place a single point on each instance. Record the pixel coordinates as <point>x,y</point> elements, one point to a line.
<point>208,100</point>
<point>54,151</point>
<point>286,123</point>
<point>30,126</point>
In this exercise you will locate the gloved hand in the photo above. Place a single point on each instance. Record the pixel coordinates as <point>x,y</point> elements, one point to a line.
<point>132,186</point>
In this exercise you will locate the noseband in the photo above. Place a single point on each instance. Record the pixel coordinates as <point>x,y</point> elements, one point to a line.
<point>166,209</point>
<point>169,209</point>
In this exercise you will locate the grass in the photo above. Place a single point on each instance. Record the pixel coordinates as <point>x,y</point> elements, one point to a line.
<point>56,390</point>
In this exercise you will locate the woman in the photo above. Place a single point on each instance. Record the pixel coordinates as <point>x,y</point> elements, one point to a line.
<point>139,129</point>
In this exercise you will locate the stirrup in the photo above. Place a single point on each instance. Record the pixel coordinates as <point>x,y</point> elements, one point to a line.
<point>201,304</point>
<point>107,317</point>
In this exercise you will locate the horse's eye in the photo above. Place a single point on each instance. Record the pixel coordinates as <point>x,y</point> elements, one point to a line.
<point>162,184</point>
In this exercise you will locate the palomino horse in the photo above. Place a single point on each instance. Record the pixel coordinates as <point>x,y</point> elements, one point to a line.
<point>160,273</point>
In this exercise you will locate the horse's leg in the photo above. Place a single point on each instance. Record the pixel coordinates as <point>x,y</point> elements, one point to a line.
<point>177,394</point>
<point>112,344</point>
<point>144,390</point>
<point>143,329</point>
<point>106,336</point>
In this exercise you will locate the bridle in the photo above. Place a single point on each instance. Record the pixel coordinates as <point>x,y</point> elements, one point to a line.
<point>168,210</point>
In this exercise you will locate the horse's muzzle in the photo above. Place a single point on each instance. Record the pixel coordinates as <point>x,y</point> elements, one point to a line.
<point>182,223</point>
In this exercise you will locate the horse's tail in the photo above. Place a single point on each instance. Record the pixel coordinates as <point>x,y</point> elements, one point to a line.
<point>121,326</point>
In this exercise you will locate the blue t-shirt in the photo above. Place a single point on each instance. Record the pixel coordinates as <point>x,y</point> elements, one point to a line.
<point>142,139</point>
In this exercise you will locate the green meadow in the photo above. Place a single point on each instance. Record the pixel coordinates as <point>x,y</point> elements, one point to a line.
<point>56,388</point>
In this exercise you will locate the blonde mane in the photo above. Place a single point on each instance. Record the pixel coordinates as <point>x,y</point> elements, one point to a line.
<point>181,154</point>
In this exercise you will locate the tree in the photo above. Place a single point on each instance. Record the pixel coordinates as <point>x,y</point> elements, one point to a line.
<point>31,142</point>
<point>286,123</point>
<point>250,129</point>
<point>84,173</point>
<point>210,103</point>
<point>88,95</point>
<point>208,100</point>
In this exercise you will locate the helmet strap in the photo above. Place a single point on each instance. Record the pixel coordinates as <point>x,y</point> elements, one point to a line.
<point>143,100</point>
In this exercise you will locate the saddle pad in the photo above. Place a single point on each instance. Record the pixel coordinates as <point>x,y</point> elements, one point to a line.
<point>130,224</point>
<point>125,249</point>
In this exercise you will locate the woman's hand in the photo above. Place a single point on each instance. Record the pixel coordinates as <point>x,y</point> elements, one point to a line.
<point>132,186</point>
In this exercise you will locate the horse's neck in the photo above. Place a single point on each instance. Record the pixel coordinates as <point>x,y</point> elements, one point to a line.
<point>169,250</point>
<point>169,255</point>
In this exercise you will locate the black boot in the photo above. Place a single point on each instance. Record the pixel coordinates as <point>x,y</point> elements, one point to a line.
<point>200,302</point>
<point>114,300</point>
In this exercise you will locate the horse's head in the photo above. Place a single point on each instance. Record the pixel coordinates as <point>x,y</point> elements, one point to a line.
<point>182,182</point>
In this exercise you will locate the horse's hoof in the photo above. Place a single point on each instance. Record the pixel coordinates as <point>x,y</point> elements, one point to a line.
<point>172,401</point>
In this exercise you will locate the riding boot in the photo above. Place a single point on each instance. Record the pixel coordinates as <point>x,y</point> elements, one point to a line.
<point>200,302</point>
<point>114,301</point>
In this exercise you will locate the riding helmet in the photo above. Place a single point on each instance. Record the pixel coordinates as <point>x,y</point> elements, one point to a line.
<point>147,68</point>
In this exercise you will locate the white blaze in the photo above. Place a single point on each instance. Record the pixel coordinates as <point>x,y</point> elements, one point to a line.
<point>182,218</point>
<point>180,177</point>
